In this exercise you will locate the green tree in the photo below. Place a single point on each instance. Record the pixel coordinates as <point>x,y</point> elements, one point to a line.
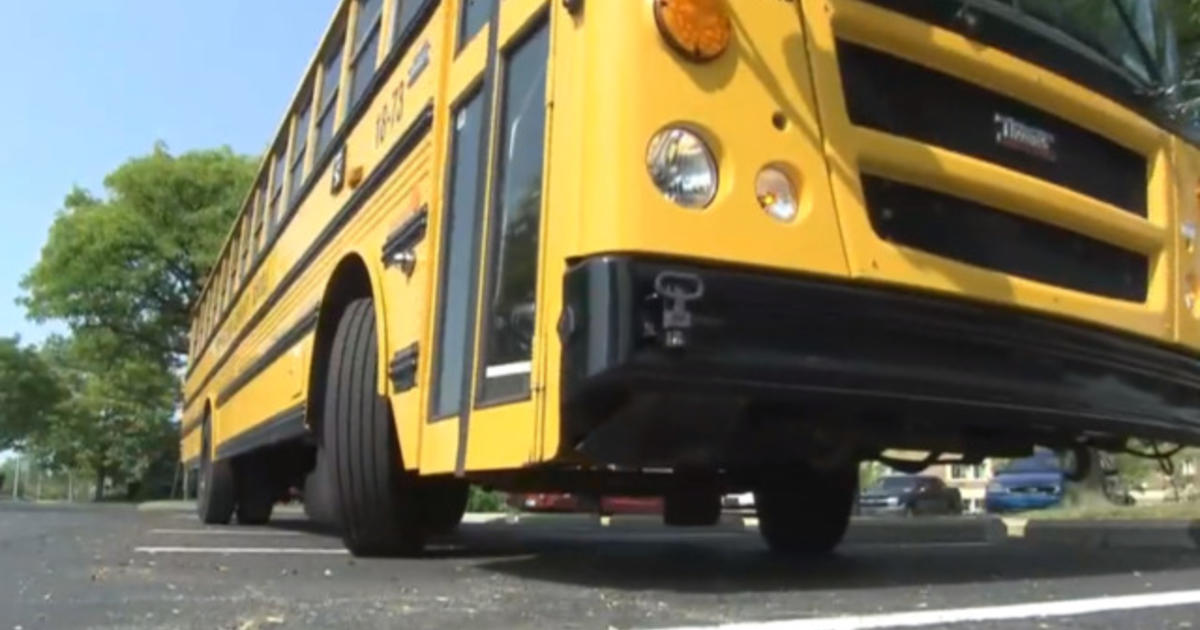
<point>29,393</point>
<point>133,263</point>
<point>116,422</point>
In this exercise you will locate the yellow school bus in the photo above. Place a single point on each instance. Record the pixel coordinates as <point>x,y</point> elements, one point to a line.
<point>688,247</point>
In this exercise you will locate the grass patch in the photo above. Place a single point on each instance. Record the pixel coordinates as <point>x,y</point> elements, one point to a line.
<point>1163,511</point>
<point>481,500</point>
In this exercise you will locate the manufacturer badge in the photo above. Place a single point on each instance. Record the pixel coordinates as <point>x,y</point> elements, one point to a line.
<point>1027,139</point>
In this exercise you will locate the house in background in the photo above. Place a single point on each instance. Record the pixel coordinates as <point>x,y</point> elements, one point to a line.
<point>970,479</point>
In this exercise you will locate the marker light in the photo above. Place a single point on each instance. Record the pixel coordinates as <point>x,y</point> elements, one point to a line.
<point>699,29</point>
<point>682,167</point>
<point>776,194</point>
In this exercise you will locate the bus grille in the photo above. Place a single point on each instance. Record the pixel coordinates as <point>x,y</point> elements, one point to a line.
<point>978,235</point>
<point>902,98</point>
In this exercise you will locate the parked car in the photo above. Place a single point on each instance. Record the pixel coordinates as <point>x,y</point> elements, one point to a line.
<point>1031,483</point>
<point>546,502</point>
<point>631,505</point>
<point>740,501</point>
<point>909,495</point>
<point>566,502</point>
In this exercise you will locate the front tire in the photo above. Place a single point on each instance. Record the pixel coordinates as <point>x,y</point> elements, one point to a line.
<point>378,502</point>
<point>255,492</point>
<point>215,486</point>
<point>807,512</point>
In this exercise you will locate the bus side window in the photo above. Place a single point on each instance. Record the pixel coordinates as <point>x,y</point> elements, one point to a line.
<point>366,48</point>
<point>475,14</point>
<point>508,324</point>
<point>330,82</point>
<point>462,215</point>
<point>277,184</point>
<point>405,15</point>
<point>300,144</point>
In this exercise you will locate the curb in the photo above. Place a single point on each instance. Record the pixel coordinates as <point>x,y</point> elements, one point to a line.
<point>1173,534</point>
<point>987,529</point>
<point>167,506</point>
<point>289,509</point>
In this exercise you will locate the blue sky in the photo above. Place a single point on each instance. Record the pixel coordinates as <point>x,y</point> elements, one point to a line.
<point>90,83</point>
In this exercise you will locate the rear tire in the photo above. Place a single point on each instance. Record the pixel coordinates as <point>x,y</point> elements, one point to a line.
<point>445,503</point>
<point>255,492</point>
<point>215,483</point>
<point>378,503</point>
<point>692,508</point>
<point>807,512</point>
<point>320,500</point>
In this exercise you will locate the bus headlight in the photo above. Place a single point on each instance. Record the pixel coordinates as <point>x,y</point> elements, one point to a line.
<point>776,194</point>
<point>682,167</point>
<point>698,29</point>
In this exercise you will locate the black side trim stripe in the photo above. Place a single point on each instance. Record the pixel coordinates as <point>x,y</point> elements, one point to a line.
<point>284,426</point>
<point>382,74</point>
<point>188,426</point>
<point>403,147</point>
<point>403,368</point>
<point>282,345</point>
<point>408,235</point>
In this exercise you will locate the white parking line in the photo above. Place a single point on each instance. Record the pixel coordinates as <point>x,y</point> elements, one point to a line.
<point>228,551</point>
<point>221,532</point>
<point>1040,610</point>
<point>967,544</point>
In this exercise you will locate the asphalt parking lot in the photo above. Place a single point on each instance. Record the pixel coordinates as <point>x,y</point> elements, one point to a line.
<point>116,567</point>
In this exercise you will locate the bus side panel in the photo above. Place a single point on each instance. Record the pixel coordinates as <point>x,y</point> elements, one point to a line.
<point>272,393</point>
<point>405,298</point>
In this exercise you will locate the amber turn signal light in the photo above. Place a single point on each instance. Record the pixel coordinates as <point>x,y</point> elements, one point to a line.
<point>699,29</point>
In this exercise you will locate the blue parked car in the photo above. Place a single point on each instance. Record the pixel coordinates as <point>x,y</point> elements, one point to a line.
<point>1032,483</point>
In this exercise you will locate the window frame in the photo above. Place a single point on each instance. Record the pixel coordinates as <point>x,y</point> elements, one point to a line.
<point>492,390</point>
<point>246,245</point>
<point>460,31</point>
<point>279,171</point>
<point>260,214</point>
<point>402,21</point>
<point>360,43</point>
<point>470,163</point>
<point>327,104</point>
<point>302,128</point>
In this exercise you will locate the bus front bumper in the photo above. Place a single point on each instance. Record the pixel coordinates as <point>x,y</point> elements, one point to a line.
<point>667,362</point>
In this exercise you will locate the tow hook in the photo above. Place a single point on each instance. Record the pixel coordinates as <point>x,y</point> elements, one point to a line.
<point>677,289</point>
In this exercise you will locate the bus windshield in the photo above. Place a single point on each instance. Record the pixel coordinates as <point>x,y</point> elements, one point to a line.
<point>1134,34</point>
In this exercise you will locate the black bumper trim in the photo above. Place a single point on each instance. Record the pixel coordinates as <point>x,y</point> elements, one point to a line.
<point>760,338</point>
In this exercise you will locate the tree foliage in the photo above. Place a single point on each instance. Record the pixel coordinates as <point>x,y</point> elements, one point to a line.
<point>133,263</point>
<point>122,271</point>
<point>116,419</point>
<point>29,393</point>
